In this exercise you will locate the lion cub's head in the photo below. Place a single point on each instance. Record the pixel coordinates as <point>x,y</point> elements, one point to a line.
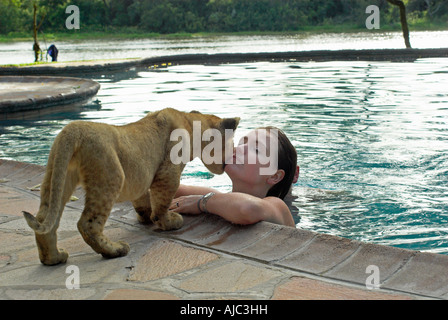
<point>208,138</point>
<point>216,140</point>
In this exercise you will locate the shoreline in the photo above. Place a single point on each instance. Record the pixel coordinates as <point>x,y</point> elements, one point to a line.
<point>132,33</point>
<point>76,68</point>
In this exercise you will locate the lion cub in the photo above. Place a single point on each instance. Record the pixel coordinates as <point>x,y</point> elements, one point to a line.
<point>115,164</point>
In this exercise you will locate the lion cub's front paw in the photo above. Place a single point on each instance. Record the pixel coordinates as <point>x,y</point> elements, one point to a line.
<point>119,249</point>
<point>170,221</point>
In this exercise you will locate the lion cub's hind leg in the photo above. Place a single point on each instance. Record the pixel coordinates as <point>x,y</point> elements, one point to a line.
<point>49,253</point>
<point>101,194</point>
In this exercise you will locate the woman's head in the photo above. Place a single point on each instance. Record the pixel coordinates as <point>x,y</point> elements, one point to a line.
<point>287,161</point>
<point>264,161</point>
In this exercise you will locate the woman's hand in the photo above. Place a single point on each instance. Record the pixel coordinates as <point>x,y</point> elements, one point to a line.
<point>186,204</point>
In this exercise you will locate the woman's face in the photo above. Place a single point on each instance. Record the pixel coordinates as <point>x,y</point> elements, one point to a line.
<point>252,158</point>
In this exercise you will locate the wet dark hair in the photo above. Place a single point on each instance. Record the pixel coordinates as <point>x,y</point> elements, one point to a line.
<point>287,161</point>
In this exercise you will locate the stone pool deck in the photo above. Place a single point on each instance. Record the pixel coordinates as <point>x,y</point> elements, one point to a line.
<point>208,258</point>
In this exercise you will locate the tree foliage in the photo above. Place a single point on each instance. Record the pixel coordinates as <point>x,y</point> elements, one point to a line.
<point>169,16</point>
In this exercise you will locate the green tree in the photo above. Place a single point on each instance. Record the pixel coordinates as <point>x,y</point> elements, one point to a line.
<point>10,17</point>
<point>167,16</point>
<point>163,17</point>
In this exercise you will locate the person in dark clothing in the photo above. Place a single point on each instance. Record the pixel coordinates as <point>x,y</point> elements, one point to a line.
<point>53,52</point>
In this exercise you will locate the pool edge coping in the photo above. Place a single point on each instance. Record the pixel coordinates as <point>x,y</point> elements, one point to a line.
<point>314,255</point>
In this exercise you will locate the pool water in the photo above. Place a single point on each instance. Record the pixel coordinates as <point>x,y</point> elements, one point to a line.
<point>371,137</point>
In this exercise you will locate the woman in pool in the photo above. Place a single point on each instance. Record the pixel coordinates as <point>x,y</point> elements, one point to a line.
<point>255,196</point>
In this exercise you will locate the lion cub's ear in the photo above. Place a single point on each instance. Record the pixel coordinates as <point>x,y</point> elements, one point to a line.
<point>230,123</point>
<point>194,111</point>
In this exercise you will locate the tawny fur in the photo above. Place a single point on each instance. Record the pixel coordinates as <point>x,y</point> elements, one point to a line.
<point>115,164</point>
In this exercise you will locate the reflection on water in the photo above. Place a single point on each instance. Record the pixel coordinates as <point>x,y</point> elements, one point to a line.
<point>21,52</point>
<point>372,137</point>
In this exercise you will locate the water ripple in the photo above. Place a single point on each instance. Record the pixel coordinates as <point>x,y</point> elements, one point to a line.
<point>372,137</point>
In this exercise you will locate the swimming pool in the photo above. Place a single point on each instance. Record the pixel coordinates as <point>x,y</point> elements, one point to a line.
<point>372,137</point>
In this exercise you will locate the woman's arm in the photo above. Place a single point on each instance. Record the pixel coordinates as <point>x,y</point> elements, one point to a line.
<point>184,190</point>
<point>238,208</point>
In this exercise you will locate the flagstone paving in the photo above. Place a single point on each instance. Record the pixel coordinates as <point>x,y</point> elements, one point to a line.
<point>208,258</point>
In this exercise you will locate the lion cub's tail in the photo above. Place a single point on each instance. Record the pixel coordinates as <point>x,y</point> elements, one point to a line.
<point>53,185</point>
<point>33,223</point>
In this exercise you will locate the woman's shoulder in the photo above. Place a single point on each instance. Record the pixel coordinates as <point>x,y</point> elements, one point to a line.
<point>280,212</point>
